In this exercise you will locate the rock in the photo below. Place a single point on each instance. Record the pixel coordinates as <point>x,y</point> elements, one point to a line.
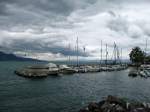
<point>139,110</point>
<point>119,108</point>
<point>101,103</point>
<point>36,71</point>
<point>32,72</point>
<point>127,105</point>
<point>115,104</point>
<point>112,99</point>
<point>144,104</point>
<point>106,107</point>
<point>84,110</point>
<point>148,105</point>
<point>112,108</point>
<point>115,100</point>
<point>135,105</point>
<point>93,106</point>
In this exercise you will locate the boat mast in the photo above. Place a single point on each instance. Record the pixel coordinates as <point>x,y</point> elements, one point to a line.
<point>115,53</point>
<point>106,55</point>
<point>121,56</point>
<point>69,54</point>
<point>84,55</point>
<point>84,50</point>
<point>101,52</point>
<point>25,53</point>
<point>77,52</point>
<point>118,54</point>
<point>145,51</point>
<point>100,62</point>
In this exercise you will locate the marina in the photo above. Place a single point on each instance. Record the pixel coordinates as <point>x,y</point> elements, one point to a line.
<point>67,93</point>
<point>53,69</point>
<point>108,64</point>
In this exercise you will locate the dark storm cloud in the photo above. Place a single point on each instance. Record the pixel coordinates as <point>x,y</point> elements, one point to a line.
<point>42,47</point>
<point>3,7</point>
<point>19,15</point>
<point>55,6</point>
<point>47,8</point>
<point>38,13</point>
<point>24,24</point>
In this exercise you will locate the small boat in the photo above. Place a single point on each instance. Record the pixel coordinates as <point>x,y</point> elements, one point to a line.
<point>53,69</point>
<point>92,69</point>
<point>147,72</point>
<point>64,69</point>
<point>142,74</point>
<point>82,69</point>
<point>133,73</point>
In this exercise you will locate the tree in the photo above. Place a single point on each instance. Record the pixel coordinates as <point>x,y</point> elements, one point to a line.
<point>137,55</point>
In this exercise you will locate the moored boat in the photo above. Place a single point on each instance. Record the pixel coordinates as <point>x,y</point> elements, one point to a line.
<point>64,69</point>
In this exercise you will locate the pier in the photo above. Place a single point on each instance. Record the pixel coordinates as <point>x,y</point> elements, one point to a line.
<point>53,69</point>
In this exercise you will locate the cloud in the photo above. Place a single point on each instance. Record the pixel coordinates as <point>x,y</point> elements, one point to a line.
<point>48,26</point>
<point>40,43</point>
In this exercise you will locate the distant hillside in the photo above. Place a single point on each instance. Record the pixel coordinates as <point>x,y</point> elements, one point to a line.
<point>12,57</point>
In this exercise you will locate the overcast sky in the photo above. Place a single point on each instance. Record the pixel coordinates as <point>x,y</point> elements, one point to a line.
<point>46,27</point>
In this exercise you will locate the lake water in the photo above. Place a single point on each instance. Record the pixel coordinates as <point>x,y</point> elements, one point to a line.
<point>67,93</point>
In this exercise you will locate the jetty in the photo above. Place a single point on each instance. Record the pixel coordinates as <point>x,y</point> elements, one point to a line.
<point>56,70</point>
<point>36,71</point>
<point>44,70</point>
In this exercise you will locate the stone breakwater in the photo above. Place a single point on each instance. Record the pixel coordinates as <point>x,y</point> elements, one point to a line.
<point>115,104</point>
<point>53,69</point>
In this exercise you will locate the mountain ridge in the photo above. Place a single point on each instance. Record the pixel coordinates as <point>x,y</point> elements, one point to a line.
<point>11,57</point>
